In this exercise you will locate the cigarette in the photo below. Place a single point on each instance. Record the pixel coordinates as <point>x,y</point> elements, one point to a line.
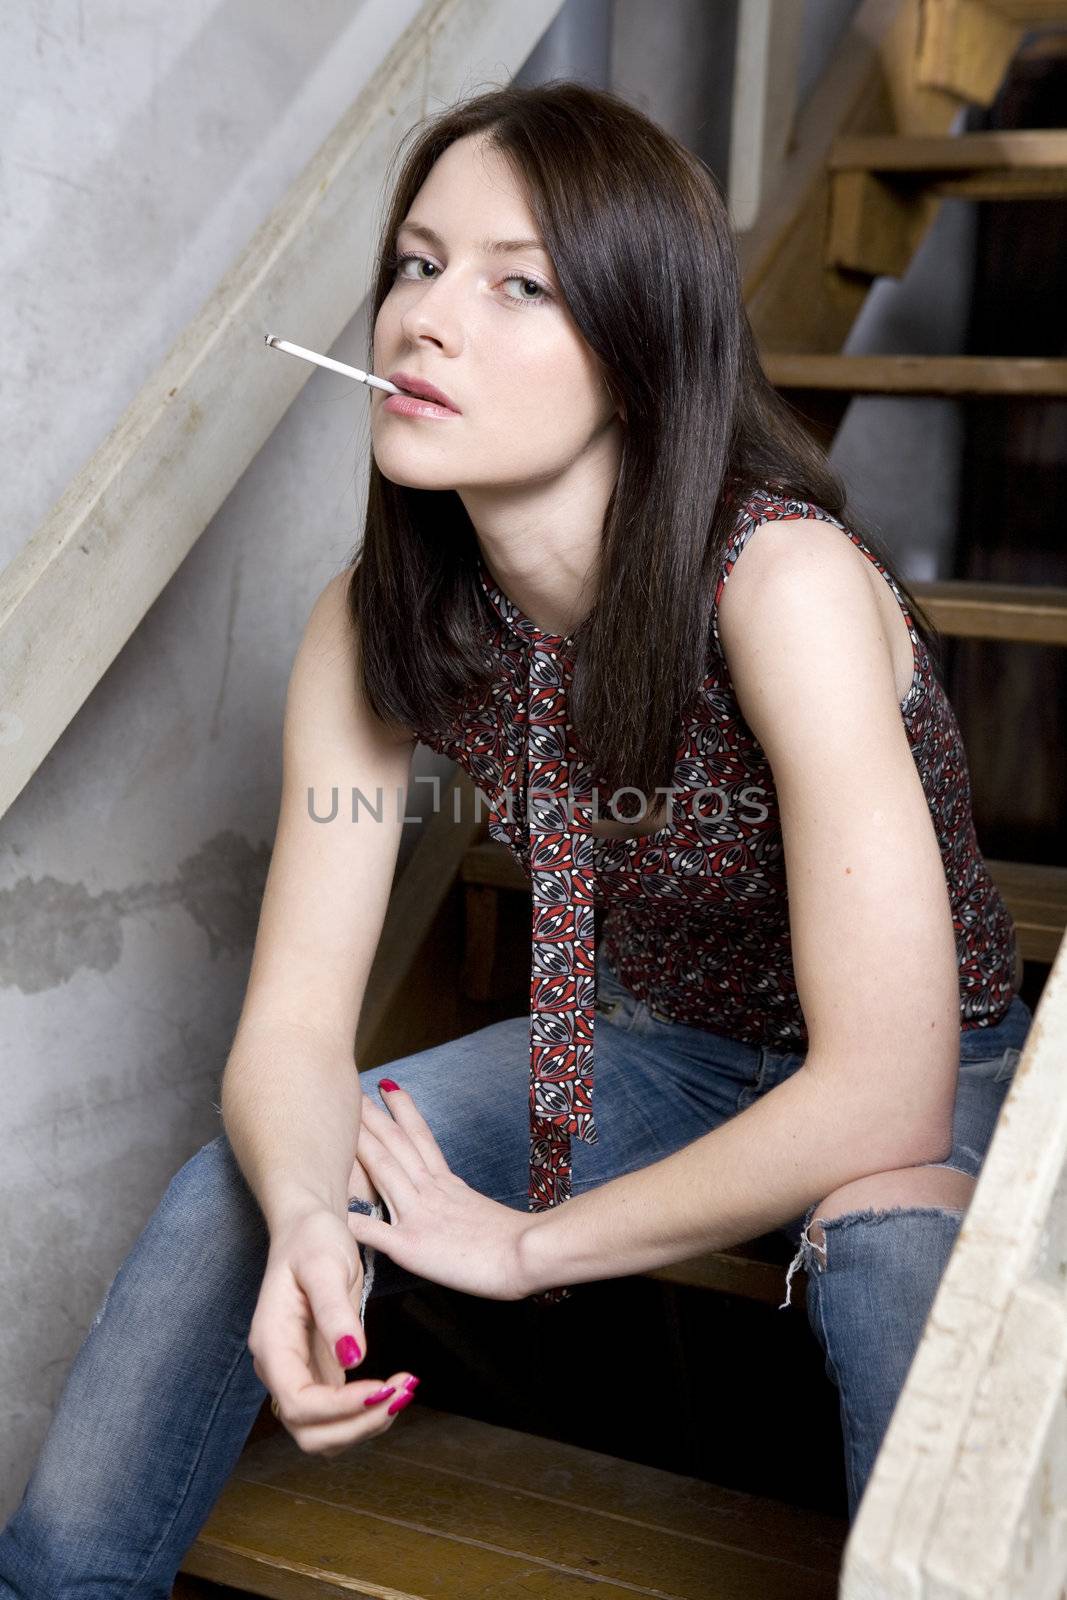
<point>334,366</point>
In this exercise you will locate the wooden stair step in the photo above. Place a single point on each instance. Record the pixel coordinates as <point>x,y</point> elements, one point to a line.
<point>1036,896</point>
<point>1031,14</point>
<point>451,1507</point>
<point>886,189</point>
<point>755,1270</point>
<point>978,376</point>
<point>1010,164</point>
<point>1022,613</point>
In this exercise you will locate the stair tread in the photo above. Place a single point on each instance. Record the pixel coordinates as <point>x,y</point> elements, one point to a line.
<point>1026,149</point>
<point>450,1506</point>
<point>1035,889</point>
<point>1023,613</point>
<point>915,374</point>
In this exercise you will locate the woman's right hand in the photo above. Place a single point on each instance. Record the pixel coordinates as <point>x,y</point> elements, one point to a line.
<point>308,1300</point>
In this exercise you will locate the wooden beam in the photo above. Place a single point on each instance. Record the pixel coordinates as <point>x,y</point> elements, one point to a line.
<point>965,48</point>
<point>968,377</point>
<point>1036,896</point>
<point>1024,613</point>
<point>1022,149</point>
<point>968,1489</point>
<point>886,188</point>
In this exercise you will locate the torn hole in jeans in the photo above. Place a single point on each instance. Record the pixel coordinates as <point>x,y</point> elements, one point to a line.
<point>810,1251</point>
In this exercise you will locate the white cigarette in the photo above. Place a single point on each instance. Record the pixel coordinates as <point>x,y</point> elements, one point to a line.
<point>334,366</point>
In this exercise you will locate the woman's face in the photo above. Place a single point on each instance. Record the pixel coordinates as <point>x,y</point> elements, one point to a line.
<point>490,330</point>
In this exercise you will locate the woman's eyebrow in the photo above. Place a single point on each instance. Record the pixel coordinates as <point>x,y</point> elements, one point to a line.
<point>494,247</point>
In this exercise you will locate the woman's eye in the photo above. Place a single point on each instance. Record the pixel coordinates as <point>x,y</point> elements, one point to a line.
<point>528,283</point>
<point>400,261</point>
<point>542,295</point>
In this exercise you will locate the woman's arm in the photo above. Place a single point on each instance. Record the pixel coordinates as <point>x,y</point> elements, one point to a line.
<point>290,1091</point>
<point>870,921</point>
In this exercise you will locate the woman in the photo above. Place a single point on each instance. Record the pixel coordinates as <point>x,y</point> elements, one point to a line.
<point>805,988</point>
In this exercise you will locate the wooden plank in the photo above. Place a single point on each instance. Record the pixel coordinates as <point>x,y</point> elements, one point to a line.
<point>965,376</point>
<point>1021,612</point>
<point>1036,896</point>
<point>1029,13</point>
<point>885,189</point>
<point>493,1511</point>
<point>74,595</point>
<point>967,1493</point>
<point>1022,149</point>
<point>736,1271</point>
<point>965,48</point>
<point>874,227</point>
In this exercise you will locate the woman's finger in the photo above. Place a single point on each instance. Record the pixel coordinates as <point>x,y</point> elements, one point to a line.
<point>405,1115</point>
<point>326,1283</point>
<point>394,1170</point>
<point>388,1401</point>
<point>285,1368</point>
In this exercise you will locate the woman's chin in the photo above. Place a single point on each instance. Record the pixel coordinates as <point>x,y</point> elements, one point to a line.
<point>411,475</point>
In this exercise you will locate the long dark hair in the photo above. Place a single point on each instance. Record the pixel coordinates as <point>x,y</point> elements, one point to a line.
<point>643,249</point>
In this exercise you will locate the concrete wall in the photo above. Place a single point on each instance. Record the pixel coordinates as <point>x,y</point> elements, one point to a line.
<point>145,144</point>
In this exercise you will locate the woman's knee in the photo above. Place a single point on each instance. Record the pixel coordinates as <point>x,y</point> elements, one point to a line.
<point>207,1235</point>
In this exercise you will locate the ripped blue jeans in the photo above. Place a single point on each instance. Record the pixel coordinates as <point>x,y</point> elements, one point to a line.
<point>871,1283</point>
<point>162,1394</point>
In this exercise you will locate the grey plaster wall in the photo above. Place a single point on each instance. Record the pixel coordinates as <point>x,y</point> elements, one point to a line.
<point>144,145</point>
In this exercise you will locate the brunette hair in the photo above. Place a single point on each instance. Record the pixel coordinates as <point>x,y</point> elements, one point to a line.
<point>643,250</point>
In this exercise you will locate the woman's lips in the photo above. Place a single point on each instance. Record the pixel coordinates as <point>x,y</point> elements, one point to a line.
<point>409,405</point>
<point>423,389</point>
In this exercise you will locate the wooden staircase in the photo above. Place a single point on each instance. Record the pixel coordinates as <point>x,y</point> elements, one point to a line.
<point>454,1508</point>
<point>446,1506</point>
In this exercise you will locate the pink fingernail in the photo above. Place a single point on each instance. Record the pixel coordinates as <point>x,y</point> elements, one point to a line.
<point>383,1394</point>
<point>398,1405</point>
<point>348,1351</point>
<point>412,1383</point>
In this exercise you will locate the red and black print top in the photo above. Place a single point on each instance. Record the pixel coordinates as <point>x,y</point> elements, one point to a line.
<point>696,918</point>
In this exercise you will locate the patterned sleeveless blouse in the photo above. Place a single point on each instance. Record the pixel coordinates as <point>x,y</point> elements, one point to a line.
<point>696,919</point>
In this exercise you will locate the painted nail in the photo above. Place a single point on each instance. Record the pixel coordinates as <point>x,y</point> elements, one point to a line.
<point>412,1384</point>
<point>348,1351</point>
<point>387,1084</point>
<point>383,1394</point>
<point>398,1405</point>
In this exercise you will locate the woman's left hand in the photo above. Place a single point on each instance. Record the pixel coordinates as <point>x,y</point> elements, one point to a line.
<point>441,1229</point>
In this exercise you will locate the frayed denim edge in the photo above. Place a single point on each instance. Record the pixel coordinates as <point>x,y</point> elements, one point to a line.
<point>367,1253</point>
<point>866,1214</point>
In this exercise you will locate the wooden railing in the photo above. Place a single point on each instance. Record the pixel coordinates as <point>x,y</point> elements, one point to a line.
<point>969,1491</point>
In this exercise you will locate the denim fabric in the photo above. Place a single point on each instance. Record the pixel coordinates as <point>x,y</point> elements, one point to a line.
<point>161,1396</point>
